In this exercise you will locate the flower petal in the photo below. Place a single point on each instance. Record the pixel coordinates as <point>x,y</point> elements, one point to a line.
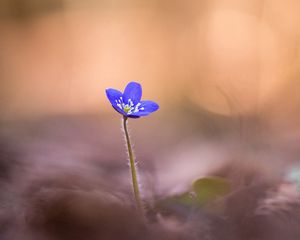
<point>133,116</point>
<point>132,91</point>
<point>138,114</point>
<point>147,108</point>
<point>114,95</point>
<point>119,110</point>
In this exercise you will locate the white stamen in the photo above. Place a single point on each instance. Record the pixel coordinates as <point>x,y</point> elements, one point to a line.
<point>130,107</point>
<point>120,106</point>
<point>130,102</point>
<point>136,108</point>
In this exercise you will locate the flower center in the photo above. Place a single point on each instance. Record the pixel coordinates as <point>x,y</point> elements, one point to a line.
<point>129,108</point>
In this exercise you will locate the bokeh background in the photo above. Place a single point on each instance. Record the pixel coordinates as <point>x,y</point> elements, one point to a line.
<point>225,73</point>
<point>227,57</point>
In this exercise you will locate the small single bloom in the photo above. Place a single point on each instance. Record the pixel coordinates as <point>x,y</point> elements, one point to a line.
<point>129,103</point>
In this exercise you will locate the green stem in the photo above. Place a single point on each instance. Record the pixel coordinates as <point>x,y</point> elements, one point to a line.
<point>133,169</point>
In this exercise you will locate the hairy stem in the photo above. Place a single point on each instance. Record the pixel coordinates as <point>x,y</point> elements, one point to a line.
<point>133,169</point>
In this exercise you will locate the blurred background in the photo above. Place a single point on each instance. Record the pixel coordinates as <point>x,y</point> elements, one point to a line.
<point>225,70</point>
<point>219,69</point>
<point>226,57</point>
<point>226,74</point>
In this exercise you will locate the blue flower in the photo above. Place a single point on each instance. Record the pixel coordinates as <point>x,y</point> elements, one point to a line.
<point>129,103</point>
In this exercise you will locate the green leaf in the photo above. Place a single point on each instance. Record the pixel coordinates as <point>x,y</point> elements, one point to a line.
<point>209,189</point>
<point>182,200</point>
<point>181,205</point>
<point>203,195</point>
